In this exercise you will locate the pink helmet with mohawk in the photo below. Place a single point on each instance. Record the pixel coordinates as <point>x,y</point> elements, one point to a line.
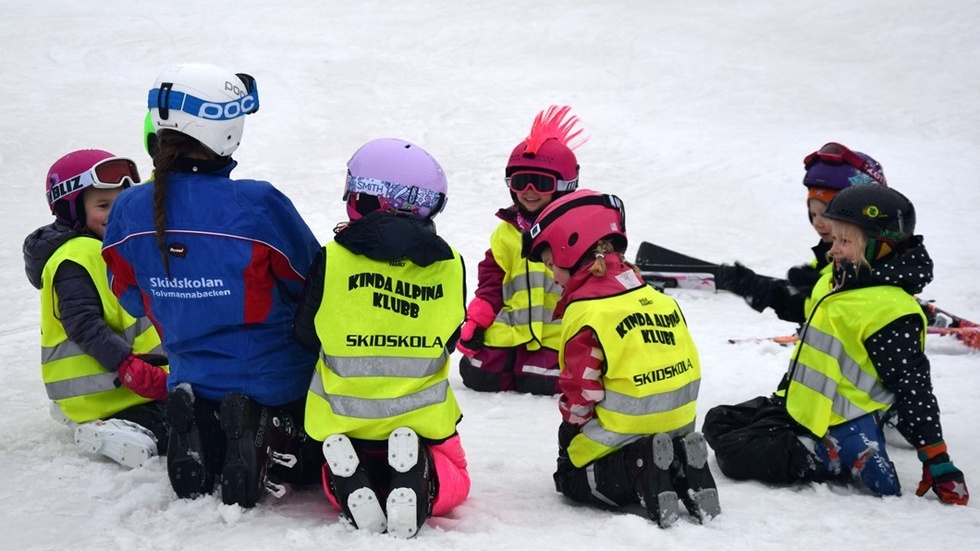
<point>548,148</point>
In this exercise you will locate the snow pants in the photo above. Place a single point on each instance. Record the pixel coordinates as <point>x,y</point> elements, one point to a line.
<point>517,369</point>
<point>758,440</point>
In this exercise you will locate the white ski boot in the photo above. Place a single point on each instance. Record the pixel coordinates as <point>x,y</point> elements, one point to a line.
<point>124,442</point>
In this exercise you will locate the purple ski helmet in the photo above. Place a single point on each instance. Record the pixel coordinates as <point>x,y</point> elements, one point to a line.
<point>395,176</point>
<point>835,167</point>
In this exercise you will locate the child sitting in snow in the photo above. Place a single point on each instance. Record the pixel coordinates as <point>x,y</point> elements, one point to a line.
<point>509,340</point>
<point>100,366</point>
<point>860,354</point>
<point>629,370</point>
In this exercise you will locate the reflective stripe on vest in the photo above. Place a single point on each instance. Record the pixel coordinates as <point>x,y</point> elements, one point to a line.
<point>80,386</point>
<point>626,405</point>
<point>390,367</point>
<point>849,370</point>
<point>375,408</point>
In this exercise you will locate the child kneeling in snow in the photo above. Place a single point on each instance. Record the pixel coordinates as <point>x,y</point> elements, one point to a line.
<point>380,399</point>
<point>630,371</point>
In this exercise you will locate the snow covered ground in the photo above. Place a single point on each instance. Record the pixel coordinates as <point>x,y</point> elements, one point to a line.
<point>700,114</point>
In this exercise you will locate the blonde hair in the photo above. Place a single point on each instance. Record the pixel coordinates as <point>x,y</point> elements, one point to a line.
<point>603,247</point>
<point>853,233</point>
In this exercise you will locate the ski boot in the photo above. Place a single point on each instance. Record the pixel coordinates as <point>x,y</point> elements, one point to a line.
<point>692,478</point>
<point>243,475</point>
<point>187,460</point>
<point>293,457</point>
<point>124,442</point>
<point>410,499</point>
<point>351,487</point>
<point>651,458</point>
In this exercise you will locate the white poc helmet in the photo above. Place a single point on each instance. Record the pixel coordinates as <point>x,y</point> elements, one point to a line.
<point>205,102</point>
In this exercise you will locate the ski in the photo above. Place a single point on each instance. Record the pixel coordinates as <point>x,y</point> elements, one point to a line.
<point>969,335</point>
<point>943,322</point>
<point>667,269</point>
<point>784,340</point>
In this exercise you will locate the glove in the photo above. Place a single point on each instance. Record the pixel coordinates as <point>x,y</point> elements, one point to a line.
<point>470,338</point>
<point>803,277</point>
<point>143,378</point>
<point>479,316</point>
<point>939,473</point>
<point>744,282</point>
<point>567,431</point>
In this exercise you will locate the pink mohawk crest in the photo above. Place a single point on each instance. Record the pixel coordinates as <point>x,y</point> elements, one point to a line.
<point>552,124</point>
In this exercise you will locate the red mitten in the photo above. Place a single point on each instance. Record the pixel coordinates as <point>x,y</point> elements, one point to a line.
<point>479,316</point>
<point>143,378</point>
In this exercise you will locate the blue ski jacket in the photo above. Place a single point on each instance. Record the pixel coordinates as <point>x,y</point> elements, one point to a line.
<point>238,253</point>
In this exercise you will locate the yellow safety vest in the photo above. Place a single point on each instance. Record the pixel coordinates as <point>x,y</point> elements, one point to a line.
<point>832,379</point>
<point>383,329</point>
<point>530,296</point>
<point>81,386</point>
<point>652,374</point>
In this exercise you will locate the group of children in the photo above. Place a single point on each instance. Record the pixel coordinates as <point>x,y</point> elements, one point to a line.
<point>290,362</point>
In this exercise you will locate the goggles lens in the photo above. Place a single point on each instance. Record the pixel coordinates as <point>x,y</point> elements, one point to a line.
<point>114,172</point>
<point>542,182</point>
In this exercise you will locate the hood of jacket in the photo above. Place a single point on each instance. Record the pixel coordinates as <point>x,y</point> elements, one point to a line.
<point>41,244</point>
<point>388,237</point>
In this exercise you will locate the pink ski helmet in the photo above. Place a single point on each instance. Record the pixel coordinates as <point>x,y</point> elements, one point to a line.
<point>548,148</point>
<point>573,224</point>
<point>395,176</point>
<point>79,170</point>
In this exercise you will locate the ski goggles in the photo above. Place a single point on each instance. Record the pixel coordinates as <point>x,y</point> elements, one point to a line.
<point>165,98</point>
<point>397,198</point>
<point>542,182</point>
<point>837,154</point>
<point>106,174</point>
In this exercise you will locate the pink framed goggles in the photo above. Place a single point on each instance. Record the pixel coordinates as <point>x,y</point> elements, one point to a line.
<point>542,182</point>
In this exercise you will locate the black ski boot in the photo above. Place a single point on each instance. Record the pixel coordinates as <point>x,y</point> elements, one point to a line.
<point>187,460</point>
<point>247,452</point>
<point>351,487</point>
<point>692,478</point>
<point>652,457</point>
<point>412,483</point>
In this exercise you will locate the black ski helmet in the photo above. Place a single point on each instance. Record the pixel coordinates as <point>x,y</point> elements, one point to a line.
<point>886,216</point>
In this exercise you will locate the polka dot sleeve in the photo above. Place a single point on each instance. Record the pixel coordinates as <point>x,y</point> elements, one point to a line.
<point>896,352</point>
